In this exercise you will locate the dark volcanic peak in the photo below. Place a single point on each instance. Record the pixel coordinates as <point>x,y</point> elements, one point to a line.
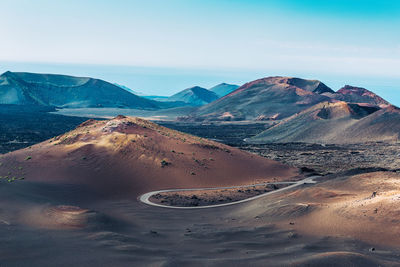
<point>55,90</point>
<point>196,96</point>
<point>359,95</point>
<point>310,85</point>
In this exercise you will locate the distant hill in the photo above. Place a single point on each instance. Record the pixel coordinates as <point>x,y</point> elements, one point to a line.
<point>196,96</point>
<point>267,98</point>
<point>223,89</point>
<point>338,122</point>
<point>129,89</point>
<point>156,97</point>
<point>354,94</point>
<point>64,91</point>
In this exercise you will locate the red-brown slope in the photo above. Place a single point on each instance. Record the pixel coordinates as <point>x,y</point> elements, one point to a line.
<point>272,97</point>
<point>125,157</point>
<point>338,122</point>
<point>352,94</point>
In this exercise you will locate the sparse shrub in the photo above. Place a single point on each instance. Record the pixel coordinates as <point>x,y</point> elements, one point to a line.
<point>28,158</point>
<point>192,173</point>
<point>164,163</point>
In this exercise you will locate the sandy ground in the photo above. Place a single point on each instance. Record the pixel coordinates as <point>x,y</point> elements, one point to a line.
<point>35,231</point>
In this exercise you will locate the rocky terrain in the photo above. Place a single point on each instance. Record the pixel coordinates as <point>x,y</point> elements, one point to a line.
<point>320,158</point>
<point>24,126</point>
<point>198,198</point>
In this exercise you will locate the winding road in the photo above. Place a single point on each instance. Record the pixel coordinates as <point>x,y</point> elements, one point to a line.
<point>145,198</point>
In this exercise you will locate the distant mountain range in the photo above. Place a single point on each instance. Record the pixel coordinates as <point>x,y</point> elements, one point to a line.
<point>196,96</point>
<point>223,89</point>
<point>301,110</point>
<point>263,99</point>
<point>276,98</point>
<point>66,92</point>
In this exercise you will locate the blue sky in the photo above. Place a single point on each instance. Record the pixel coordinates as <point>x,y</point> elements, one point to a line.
<point>163,46</point>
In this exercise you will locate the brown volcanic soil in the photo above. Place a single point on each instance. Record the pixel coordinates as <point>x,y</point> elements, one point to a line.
<point>354,94</point>
<point>129,156</point>
<point>363,206</point>
<point>126,232</point>
<point>265,99</point>
<point>59,221</point>
<point>337,123</point>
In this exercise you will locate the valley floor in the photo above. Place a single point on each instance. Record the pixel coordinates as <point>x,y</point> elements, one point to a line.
<point>349,218</point>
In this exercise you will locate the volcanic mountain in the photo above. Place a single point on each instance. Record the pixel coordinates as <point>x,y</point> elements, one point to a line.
<point>196,96</point>
<point>126,156</point>
<point>352,94</point>
<point>338,122</point>
<point>23,88</point>
<point>223,89</point>
<point>268,98</point>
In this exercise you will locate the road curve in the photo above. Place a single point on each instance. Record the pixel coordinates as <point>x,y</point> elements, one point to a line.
<point>145,198</point>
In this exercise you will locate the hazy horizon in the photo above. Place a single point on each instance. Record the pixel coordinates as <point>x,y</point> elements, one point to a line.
<point>165,81</point>
<point>161,47</point>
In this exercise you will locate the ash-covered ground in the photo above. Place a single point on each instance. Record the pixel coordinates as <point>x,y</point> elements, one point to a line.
<point>318,158</point>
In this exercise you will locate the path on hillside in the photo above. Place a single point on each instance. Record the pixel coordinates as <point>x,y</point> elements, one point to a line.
<point>145,198</point>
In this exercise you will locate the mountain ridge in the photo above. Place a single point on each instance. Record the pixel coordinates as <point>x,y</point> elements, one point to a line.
<point>195,95</point>
<point>66,91</point>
